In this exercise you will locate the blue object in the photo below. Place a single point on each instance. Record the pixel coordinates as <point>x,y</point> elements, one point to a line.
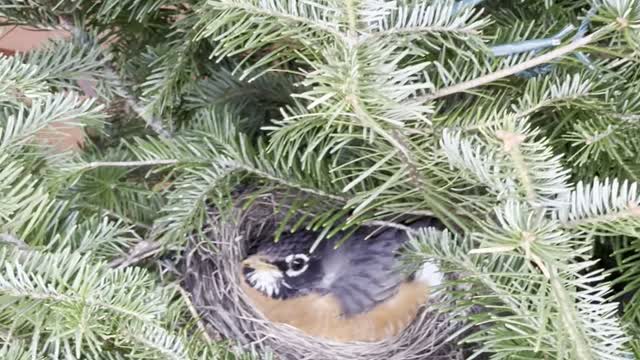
<point>463,4</point>
<point>582,30</point>
<point>531,45</point>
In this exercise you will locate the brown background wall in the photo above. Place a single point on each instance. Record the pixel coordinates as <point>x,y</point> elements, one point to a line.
<point>24,39</point>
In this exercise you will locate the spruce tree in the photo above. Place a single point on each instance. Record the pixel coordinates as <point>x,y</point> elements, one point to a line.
<point>514,122</point>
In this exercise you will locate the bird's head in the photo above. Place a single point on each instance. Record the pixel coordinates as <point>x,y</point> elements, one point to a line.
<point>283,269</point>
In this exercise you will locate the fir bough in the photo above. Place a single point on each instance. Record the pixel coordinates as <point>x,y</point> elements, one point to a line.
<point>515,123</point>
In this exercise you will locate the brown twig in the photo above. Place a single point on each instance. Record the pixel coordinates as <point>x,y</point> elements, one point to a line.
<point>141,251</point>
<point>196,316</point>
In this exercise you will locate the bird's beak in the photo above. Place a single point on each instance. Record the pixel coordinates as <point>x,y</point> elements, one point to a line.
<point>258,263</point>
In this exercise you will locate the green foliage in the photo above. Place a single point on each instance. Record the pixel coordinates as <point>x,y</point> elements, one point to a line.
<point>69,300</point>
<point>363,110</point>
<point>521,254</point>
<point>15,351</point>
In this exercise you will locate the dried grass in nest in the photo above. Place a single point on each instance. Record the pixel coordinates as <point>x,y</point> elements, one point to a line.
<point>212,278</point>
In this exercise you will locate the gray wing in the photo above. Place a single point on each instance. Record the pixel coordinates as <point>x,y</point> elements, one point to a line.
<point>363,272</point>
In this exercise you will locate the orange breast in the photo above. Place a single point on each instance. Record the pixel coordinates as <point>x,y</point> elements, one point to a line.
<point>320,315</point>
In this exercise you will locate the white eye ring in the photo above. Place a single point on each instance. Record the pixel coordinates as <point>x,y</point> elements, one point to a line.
<point>289,259</point>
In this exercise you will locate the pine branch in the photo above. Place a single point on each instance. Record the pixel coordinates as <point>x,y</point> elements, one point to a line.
<point>422,19</point>
<point>131,101</point>
<point>163,344</point>
<point>99,164</point>
<point>570,317</point>
<point>608,207</point>
<point>64,109</point>
<point>297,12</point>
<point>17,350</point>
<point>369,133</point>
<point>13,241</point>
<point>517,297</point>
<point>539,60</point>
<point>20,80</point>
<point>59,283</point>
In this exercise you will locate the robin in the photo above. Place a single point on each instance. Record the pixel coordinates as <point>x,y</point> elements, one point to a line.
<point>355,292</point>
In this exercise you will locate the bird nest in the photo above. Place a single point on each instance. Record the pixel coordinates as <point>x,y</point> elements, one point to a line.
<point>212,278</point>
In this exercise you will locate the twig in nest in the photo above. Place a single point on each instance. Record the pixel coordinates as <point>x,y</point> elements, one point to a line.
<point>196,316</point>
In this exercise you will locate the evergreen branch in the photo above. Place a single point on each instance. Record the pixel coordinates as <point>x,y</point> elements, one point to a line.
<point>163,343</point>
<point>421,19</point>
<point>372,72</point>
<point>20,80</point>
<point>474,161</point>
<point>608,208</point>
<point>283,180</point>
<point>97,236</point>
<point>400,142</point>
<point>254,101</point>
<point>18,279</point>
<point>528,314</point>
<point>352,15</point>
<point>523,165</point>
<point>64,109</point>
<point>570,317</point>
<point>539,60</point>
<point>297,12</point>
<point>186,207</point>
<point>555,90</point>
<point>44,292</point>
<point>14,241</point>
<point>511,146</point>
<point>152,122</point>
<point>80,60</point>
<point>368,122</point>
<point>517,228</point>
<point>99,164</point>
<point>213,142</point>
<point>163,88</point>
<point>109,73</point>
<point>17,350</point>
<point>418,31</point>
<point>27,210</point>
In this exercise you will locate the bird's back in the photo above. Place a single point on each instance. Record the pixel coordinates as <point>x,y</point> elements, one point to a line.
<point>363,271</point>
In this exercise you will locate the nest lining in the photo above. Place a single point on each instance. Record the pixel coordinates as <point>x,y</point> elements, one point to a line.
<point>212,278</point>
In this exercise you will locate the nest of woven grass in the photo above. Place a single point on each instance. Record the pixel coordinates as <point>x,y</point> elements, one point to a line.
<point>212,277</point>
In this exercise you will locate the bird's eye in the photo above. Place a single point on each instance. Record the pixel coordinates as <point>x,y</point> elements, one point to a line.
<point>297,264</point>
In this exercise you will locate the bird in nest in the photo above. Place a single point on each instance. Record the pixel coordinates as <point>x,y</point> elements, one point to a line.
<point>355,292</point>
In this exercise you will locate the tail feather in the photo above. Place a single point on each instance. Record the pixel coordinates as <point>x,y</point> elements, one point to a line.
<point>429,274</point>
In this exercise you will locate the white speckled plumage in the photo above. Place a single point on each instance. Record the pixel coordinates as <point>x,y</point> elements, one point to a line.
<point>268,281</point>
